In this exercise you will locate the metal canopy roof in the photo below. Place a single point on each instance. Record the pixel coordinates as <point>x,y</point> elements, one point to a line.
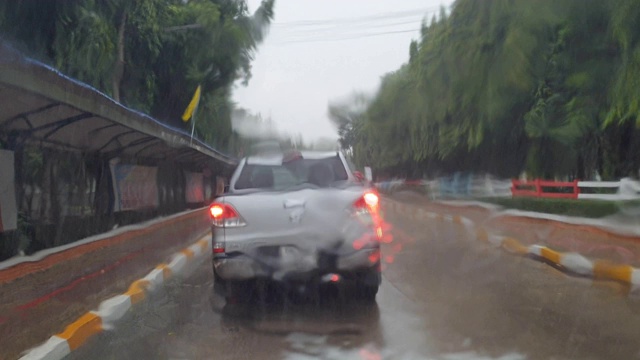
<point>42,105</point>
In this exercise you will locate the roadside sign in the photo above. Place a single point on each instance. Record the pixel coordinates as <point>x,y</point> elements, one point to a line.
<point>367,174</point>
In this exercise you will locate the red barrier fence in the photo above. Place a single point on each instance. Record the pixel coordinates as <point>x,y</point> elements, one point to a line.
<point>545,189</point>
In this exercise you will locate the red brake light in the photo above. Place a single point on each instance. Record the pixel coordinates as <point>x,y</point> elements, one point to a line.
<point>371,199</point>
<point>224,215</point>
<point>216,211</point>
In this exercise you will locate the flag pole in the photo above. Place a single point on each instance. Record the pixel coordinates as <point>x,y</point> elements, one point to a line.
<point>192,109</point>
<point>193,123</point>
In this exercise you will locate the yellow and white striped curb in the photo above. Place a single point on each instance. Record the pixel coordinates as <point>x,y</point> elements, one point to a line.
<point>573,262</point>
<point>111,310</point>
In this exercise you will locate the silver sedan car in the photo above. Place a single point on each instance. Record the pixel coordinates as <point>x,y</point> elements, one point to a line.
<point>300,219</point>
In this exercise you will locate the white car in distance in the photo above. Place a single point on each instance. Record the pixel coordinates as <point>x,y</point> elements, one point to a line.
<point>299,219</point>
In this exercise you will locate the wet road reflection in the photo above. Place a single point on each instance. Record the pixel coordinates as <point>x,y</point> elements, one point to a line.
<point>338,330</point>
<point>444,296</point>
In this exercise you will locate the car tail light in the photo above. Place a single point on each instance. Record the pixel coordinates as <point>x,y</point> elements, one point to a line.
<point>224,215</point>
<point>371,199</point>
<point>367,210</point>
<point>368,202</point>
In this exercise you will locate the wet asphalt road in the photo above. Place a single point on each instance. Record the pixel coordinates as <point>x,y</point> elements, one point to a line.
<point>444,296</point>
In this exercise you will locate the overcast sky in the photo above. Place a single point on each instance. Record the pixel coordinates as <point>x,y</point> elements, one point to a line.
<point>322,50</point>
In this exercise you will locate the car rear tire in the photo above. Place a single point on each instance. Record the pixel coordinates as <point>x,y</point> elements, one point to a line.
<point>234,292</point>
<point>239,292</point>
<point>368,292</point>
<point>368,285</point>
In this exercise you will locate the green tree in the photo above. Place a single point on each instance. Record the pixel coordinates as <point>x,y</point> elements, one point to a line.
<point>148,54</point>
<point>505,86</point>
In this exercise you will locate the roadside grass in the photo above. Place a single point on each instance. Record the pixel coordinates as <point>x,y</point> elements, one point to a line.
<point>570,207</point>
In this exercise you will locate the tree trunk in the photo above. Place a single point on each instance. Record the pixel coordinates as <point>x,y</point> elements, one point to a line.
<point>118,71</point>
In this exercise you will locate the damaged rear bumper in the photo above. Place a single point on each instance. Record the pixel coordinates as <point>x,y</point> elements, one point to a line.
<point>238,267</point>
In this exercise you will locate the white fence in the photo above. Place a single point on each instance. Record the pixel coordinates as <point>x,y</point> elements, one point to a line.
<point>628,189</point>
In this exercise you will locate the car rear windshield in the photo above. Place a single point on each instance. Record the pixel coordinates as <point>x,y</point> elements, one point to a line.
<point>319,172</point>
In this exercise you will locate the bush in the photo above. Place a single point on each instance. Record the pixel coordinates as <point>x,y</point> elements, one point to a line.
<point>569,207</point>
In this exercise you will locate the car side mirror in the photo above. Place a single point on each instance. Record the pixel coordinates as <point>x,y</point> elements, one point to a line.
<point>358,175</point>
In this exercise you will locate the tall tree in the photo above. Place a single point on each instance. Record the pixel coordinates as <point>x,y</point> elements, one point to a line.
<point>506,86</point>
<point>148,54</point>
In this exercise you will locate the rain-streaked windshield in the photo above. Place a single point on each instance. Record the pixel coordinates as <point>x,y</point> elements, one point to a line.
<point>320,179</point>
<point>318,172</point>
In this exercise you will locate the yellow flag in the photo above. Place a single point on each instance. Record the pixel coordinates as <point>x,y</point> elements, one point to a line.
<point>188,113</point>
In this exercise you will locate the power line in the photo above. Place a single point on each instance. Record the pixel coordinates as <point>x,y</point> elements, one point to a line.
<point>361,36</point>
<point>335,28</point>
<point>344,29</point>
<point>380,16</point>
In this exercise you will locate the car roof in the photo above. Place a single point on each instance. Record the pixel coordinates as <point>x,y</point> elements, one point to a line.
<point>318,154</point>
<point>276,159</point>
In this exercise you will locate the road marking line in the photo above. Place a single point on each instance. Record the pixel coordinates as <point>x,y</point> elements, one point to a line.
<point>605,269</point>
<point>136,290</point>
<point>196,249</point>
<point>79,331</point>
<point>166,272</point>
<point>204,245</point>
<point>155,278</point>
<point>535,250</point>
<point>113,309</point>
<point>495,240</point>
<point>109,311</point>
<point>188,253</point>
<point>635,278</point>
<point>551,255</point>
<point>482,235</point>
<point>577,263</point>
<point>55,348</point>
<point>177,263</point>
<point>514,246</point>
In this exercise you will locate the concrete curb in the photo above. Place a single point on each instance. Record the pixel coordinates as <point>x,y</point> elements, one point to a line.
<point>463,203</point>
<point>572,262</point>
<point>110,311</point>
<point>617,229</point>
